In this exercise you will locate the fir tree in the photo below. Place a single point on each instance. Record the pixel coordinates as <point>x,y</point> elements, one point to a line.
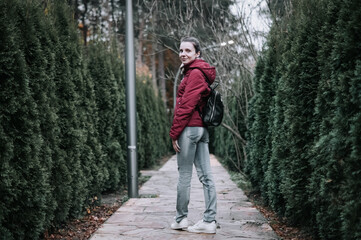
<point>107,98</point>
<point>351,211</point>
<point>347,55</point>
<point>38,49</point>
<point>321,190</point>
<point>93,163</point>
<point>120,111</point>
<point>76,140</point>
<point>66,171</point>
<point>141,122</point>
<point>301,82</point>
<point>24,181</point>
<point>261,109</point>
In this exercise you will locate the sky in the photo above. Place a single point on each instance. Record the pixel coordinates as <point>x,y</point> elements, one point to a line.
<point>254,20</point>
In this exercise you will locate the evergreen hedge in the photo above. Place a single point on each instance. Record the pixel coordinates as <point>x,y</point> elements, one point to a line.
<point>304,126</point>
<point>62,115</point>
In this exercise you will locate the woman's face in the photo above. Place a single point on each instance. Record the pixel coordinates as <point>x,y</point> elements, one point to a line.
<point>187,52</point>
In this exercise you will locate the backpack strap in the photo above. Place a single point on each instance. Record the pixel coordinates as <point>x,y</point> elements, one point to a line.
<point>207,80</point>
<point>209,85</point>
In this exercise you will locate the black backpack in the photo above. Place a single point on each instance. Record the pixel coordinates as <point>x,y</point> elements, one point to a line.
<point>212,112</point>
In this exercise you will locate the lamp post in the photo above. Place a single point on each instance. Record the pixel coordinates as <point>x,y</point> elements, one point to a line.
<point>222,44</point>
<point>131,104</point>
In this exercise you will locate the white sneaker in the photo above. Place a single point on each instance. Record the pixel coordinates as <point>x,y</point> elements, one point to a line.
<point>203,227</point>
<point>182,225</point>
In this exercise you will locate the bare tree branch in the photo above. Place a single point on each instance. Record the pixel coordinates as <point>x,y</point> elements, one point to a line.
<point>235,133</point>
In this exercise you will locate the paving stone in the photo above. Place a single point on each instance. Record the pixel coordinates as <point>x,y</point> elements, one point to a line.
<point>150,216</point>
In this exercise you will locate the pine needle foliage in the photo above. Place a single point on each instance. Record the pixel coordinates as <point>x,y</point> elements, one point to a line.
<point>306,101</point>
<point>62,119</point>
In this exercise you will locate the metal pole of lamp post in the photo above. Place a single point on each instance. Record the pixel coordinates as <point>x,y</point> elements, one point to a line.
<point>132,164</point>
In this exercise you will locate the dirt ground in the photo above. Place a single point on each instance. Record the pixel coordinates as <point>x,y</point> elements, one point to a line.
<point>79,229</point>
<point>280,226</point>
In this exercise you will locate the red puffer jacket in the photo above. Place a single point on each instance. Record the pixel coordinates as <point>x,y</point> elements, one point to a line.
<point>192,91</point>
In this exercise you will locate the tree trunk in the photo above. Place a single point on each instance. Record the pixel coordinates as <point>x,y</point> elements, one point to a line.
<point>140,41</point>
<point>161,75</point>
<point>154,71</point>
<point>154,50</point>
<point>85,27</point>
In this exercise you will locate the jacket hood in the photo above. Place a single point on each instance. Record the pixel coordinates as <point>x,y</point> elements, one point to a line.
<point>207,69</point>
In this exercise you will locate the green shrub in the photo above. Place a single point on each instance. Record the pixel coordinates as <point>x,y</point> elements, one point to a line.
<point>312,174</point>
<point>62,119</point>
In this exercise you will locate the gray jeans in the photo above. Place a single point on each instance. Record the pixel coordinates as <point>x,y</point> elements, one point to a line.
<point>194,149</point>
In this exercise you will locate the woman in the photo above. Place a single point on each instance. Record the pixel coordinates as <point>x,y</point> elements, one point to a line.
<point>190,137</point>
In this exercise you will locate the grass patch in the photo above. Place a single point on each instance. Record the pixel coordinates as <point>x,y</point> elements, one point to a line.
<point>241,181</point>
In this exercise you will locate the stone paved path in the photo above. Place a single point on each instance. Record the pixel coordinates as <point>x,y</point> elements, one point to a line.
<point>150,216</point>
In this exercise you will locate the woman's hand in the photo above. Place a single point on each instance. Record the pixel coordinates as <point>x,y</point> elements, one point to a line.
<point>175,145</point>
